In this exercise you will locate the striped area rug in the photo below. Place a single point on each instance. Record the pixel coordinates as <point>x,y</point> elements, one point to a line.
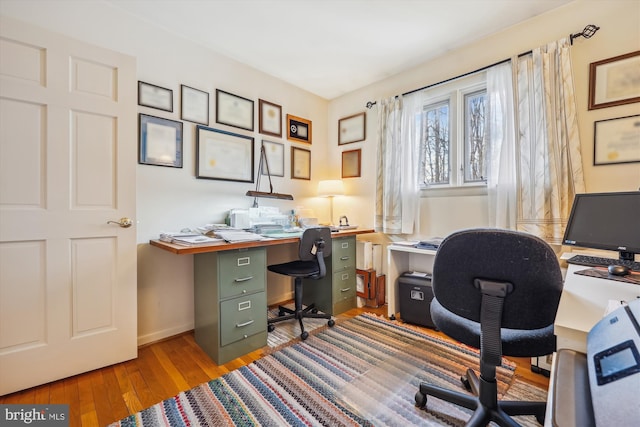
<point>364,371</point>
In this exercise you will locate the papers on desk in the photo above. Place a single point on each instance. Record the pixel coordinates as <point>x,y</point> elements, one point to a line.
<point>188,239</point>
<point>234,236</point>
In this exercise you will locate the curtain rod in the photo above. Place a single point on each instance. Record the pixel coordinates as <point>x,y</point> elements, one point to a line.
<point>587,33</point>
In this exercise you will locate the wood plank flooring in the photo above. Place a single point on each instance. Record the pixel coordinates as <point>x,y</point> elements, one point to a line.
<point>162,370</point>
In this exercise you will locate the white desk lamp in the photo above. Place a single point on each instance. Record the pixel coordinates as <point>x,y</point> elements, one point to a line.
<point>330,188</point>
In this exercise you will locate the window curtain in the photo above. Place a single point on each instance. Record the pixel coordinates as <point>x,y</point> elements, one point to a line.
<point>546,156</point>
<point>397,192</point>
<point>501,137</point>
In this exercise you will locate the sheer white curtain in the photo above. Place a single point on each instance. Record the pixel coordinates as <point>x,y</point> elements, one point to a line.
<point>547,157</point>
<point>501,138</point>
<point>397,192</point>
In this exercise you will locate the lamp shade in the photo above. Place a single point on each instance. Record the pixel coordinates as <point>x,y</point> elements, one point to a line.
<point>330,188</point>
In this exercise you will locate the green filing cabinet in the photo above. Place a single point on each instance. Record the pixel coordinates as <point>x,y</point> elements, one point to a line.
<point>336,292</point>
<point>230,302</point>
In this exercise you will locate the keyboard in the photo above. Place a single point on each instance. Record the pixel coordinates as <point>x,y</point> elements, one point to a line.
<point>592,261</point>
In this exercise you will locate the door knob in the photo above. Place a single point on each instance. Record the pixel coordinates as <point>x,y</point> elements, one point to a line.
<point>124,222</point>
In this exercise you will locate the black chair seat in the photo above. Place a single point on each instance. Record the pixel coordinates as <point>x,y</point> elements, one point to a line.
<point>515,342</point>
<point>296,268</point>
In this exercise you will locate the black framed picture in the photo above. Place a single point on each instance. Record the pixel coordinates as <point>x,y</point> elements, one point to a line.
<point>224,155</point>
<point>234,110</point>
<point>160,141</point>
<point>154,96</point>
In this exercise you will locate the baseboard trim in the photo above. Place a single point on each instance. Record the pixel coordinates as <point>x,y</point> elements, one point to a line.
<point>163,334</point>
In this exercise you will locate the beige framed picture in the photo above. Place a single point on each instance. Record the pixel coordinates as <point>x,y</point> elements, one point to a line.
<point>351,163</point>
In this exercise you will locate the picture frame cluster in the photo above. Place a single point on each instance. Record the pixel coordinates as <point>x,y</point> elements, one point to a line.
<point>221,154</point>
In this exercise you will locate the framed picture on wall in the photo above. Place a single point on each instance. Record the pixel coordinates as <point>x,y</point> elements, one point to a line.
<point>616,141</point>
<point>159,141</point>
<point>269,118</point>
<point>223,155</point>
<point>195,105</point>
<point>298,129</point>
<point>351,163</point>
<point>155,96</point>
<point>614,81</point>
<point>274,151</point>
<point>352,128</point>
<point>300,163</point>
<point>234,110</point>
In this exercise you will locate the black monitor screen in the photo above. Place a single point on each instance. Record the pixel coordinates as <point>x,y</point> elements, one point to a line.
<point>609,221</point>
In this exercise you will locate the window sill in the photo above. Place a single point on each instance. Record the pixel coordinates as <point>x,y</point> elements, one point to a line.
<point>475,190</point>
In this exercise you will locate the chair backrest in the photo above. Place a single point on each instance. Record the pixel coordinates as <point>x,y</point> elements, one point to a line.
<point>524,260</point>
<point>314,237</point>
<point>315,244</point>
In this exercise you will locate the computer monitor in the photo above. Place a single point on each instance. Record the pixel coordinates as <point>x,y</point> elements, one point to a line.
<point>609,221</point>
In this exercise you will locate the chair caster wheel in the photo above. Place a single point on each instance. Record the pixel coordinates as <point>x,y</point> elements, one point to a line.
<point>314,310</point>
<point>421,400</point>
<point>271,328</point>
<point>331,322</point>
<point>465,382</point>
<point>304,335</point>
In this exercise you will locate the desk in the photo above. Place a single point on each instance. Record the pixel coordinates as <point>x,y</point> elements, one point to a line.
<point>230,306</point>
<point>583,303</point>
<point>400,259</point>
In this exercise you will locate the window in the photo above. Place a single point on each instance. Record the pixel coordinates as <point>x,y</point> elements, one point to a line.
<point>452,146</point>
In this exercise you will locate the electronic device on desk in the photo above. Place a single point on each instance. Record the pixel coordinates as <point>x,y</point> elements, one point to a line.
<point>607,221</point>
<point>613,359</point>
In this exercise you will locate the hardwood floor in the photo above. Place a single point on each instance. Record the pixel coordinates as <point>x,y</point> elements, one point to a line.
<point>162,370</point>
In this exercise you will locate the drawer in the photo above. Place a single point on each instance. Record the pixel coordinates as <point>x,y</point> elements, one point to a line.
<point>344,285</point>
<point>343,253</point>
<point>242,317</point>
<point>241,272</point>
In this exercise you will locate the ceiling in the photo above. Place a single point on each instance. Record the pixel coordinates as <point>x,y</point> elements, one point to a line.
<point>332,47</point>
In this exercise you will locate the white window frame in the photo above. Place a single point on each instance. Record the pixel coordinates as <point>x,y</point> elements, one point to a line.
<point>455,92</point>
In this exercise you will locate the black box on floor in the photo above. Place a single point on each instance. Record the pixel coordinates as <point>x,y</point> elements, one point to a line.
<point>415,298</point>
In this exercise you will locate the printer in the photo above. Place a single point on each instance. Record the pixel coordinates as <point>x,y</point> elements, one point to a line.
<point>602,387</point>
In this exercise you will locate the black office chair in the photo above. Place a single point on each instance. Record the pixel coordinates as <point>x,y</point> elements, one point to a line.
<point>315,246</point>
<point>496,290</point>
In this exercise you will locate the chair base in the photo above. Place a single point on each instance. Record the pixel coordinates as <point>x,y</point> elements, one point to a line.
<point>484,402</point>
<point>299,313</point>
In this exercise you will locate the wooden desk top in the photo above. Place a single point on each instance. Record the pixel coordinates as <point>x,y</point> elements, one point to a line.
<point>223,246</point>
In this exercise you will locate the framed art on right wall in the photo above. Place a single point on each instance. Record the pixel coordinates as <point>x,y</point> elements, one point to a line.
<point>614,81</point>
<point>616,141</point>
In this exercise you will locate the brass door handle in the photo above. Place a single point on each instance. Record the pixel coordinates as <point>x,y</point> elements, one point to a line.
<point>124,222</point>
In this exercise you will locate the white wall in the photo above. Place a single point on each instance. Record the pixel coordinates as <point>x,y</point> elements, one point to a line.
<point>169,199</point>
<point>620,33</point>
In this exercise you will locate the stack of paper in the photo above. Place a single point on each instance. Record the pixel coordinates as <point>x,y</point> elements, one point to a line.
<point>233,236</point>
<point>187,239</point>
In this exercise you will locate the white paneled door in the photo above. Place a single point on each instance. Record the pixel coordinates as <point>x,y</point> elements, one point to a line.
<point>67,167</point>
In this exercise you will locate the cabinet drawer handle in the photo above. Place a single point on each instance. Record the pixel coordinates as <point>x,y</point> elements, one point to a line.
<point>243,279</point>
<point>344,258</point>
<point>242,325</point>
<point>345,289</point>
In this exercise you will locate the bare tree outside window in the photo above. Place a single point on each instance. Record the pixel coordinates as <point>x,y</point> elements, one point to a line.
<point>434,145</point>
<point>475,148</point>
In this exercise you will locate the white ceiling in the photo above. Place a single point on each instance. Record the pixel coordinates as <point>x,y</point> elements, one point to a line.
<point>332,47</point>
